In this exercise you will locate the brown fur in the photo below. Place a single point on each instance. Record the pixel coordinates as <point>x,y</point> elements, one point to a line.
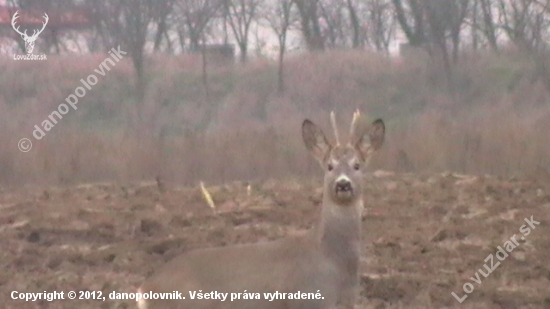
<point>324,260</point>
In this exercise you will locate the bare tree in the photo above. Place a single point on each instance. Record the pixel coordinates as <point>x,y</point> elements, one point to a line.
<point>349,23</point>
<point>456,12</point>
<point>525,22</point>
<point>445,19</point>
<point>333,23</point>
<point>488,27</point>
<point>381,23</point>
<point>101,17</point>
<point>280,18</point>
<point>196,16</point>
<point>527,25</point>
<point>161,14</point>
<point>137,16</point>
<point>410,15</point>
<point>309,21</point>
<point>355,24</point>
<point>240,14</point>
<point>128,21</point>
<point>430,23</point>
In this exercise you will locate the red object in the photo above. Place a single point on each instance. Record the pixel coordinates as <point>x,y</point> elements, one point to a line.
<point>33,18</point>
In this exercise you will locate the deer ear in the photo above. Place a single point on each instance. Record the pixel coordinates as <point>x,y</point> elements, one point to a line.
<point>375,134</point>
<point>315,141</point>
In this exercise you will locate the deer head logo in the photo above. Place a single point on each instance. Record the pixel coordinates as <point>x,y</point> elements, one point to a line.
<point>29,40</point>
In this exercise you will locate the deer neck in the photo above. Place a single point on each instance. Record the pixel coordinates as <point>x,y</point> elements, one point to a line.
<point>339,233</point>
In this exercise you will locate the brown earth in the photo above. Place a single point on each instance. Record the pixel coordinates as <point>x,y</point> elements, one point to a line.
<point>424,236</point>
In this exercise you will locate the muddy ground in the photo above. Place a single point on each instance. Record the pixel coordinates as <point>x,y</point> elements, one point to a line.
<point>424,236</point>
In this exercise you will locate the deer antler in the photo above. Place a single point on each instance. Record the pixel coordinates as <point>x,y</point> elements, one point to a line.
<point>24,34</point>
<point>334,127</point>
<point>35,34</point>
<point>16,16</point>
<point>356,116</point>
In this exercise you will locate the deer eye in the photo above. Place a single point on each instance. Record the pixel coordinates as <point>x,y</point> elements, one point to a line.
<point>356,166</point>
<point>330,167</point>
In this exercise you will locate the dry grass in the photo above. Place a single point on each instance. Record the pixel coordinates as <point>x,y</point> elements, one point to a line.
<point>496,121</point>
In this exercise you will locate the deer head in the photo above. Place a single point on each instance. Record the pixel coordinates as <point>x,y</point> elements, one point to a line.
<point>344,164</point>
<point>29,40</point>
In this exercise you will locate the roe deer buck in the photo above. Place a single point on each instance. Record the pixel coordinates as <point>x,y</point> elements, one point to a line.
<point>325,260</point>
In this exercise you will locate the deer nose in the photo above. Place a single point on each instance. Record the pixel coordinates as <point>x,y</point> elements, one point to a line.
<point>343,184</point>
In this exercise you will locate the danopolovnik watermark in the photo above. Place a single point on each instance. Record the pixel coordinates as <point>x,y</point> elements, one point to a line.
<point>39,132</point>
<point>174,295</point>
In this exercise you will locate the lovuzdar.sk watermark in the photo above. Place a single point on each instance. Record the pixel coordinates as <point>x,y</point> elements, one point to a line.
<point>501,254</point>
<point>29,39</point>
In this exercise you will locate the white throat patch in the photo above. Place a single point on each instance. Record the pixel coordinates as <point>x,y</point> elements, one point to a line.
<point>342,178</point>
